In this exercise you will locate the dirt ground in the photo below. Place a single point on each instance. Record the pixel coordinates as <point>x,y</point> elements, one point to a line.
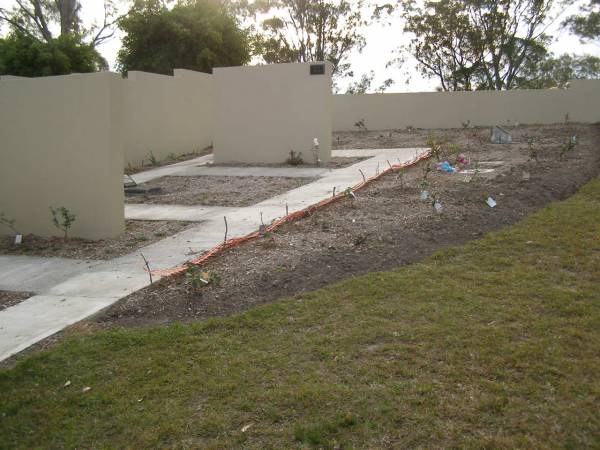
<point>334,163</point>
<point>8,298</point>
<point>138,233</point>
<point>215,190</point>
<point>165,162</point>
<point>385,227</point>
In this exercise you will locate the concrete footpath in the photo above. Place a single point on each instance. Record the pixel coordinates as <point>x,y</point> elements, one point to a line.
<point>70,290</point>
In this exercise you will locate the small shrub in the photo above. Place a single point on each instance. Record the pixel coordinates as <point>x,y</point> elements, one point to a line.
<point>360,239</point>
<point>62,219</point>
<point>10,223</point>
<point>361,126</point>
<point>568,146</point>
<point>198,278</point>
<point>295,158</point>
<point>532,149</point>
<point>152,159</point>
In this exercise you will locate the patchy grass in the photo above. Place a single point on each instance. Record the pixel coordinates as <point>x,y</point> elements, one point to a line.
<point>494,344</point>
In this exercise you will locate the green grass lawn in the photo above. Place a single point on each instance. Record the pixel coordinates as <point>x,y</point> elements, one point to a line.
<point>494,344</point>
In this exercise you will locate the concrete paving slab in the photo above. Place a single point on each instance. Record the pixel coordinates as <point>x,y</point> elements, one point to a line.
<point>35,274</point>
<point>141,211</point>
<point>143,177</point>
<point>48,314</point>
<point>111,284</point>
<point>286,172</point>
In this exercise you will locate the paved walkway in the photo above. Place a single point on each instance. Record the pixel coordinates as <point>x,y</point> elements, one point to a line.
<point>69,291</point>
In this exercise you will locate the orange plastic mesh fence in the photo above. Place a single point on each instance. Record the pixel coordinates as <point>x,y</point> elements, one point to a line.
<point>308,211</point>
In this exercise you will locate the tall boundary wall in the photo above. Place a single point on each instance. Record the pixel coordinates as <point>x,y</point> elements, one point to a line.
<point>581,102</point>
<point>61,145</point>
<point>166,115</point>
<point>264,112</point>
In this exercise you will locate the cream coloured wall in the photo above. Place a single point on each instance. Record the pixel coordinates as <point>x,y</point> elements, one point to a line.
<point>61,145</point>
<point>263,112</point>
<point>481,108</point>
<point>166,115</point>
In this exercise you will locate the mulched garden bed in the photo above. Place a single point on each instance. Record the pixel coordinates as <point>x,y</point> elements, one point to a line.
<point>138,233</point>
<point>9,298</point>
<point>385,227</point>
<point>167,161</point>
<point>214,190</point>
<point>336,162</point>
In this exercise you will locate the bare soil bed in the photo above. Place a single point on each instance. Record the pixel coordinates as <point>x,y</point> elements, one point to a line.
<point>8,298</point>
<point>138,233</point>
<point>334,163</point>
<point>215,190</point>
<point>167,161</point>
<point>385,227</point>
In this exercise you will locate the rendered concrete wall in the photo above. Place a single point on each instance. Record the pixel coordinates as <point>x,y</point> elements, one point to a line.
<point>166,115</point>
<point>61,146</point>
<point>264,112</point>
<point>482,108</point>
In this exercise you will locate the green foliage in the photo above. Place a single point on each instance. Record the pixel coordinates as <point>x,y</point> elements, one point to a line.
<point>303,31</point>
<point>361,125</point>
<point>568,146</point>
<point>295,158</point>
<point>199,278</point>
<point>557,71</point>
<point>587,24</point>
<point>62,219</point>
<point>10,223</point>
<point>365,83</point>
<point>476,44</point>
<point>532,149</point>
<point>196,35</point>
<point>152,159</point>
<point>24,55</point>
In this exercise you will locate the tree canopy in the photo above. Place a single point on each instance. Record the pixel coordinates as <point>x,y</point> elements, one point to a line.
<point>24,55</point>
<point>477,44</point>
<point>586,24</point>
<point>315,30</point>
<point>196,35</point>
<point>33,49</point>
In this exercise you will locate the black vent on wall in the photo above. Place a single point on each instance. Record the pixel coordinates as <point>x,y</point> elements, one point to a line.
<point>317,69</point>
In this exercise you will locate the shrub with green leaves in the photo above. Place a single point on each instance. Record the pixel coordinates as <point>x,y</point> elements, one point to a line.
<point>62,219</point>
<point>10,223</point>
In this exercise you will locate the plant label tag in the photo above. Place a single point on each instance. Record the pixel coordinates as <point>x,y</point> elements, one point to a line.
<point>18,239</point>
<point>424,195</point>
<point>438,207</point>
<point>491,202</point>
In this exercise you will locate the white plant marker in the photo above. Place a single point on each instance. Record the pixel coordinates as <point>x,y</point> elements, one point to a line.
<point>491,202</point>
<point>438,207</point>
<point>424,195</point>
<point>18,239</point>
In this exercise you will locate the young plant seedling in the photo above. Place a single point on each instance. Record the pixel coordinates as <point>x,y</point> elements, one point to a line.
<point>10,223</point>
<point>198,278</point>
<point>531,147</point>
<point>152,159</point>
<point>424,195</point>
<point>568,146</point>
<point>62,219</point>
<point>436,203</point>
<point>295,159</point>
<point>435,146</point>
<point>361,126</point>
<point>401,178</point>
